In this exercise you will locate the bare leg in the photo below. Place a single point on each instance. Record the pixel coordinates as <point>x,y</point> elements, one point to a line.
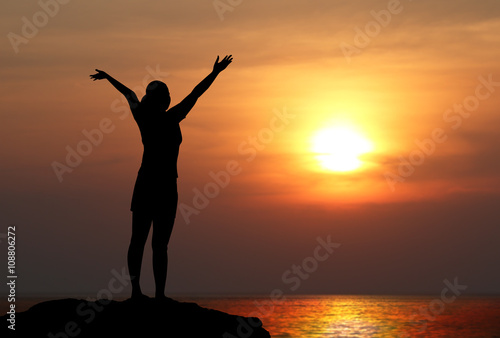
<point>141,223</point>
<point>162,229</point>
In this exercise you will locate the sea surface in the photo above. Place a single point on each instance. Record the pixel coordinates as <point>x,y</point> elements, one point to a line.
<point>354,316</point>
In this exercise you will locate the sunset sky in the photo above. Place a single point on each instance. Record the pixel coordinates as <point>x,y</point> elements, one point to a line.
<point>416,82</point>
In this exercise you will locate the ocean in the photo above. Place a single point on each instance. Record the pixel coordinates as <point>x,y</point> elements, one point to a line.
<point>315,316</point>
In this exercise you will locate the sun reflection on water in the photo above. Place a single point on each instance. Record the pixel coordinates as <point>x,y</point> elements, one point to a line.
<point>367,316</point>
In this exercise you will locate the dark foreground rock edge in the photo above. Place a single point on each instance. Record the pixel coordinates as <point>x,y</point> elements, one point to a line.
<point>145,318</point>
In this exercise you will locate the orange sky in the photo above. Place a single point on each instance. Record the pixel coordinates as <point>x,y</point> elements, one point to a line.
<point>290,78</point>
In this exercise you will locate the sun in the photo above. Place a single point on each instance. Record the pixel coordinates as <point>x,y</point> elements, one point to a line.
<point>339,148</point>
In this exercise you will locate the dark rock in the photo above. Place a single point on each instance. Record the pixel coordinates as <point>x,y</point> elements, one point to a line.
<point>131,318</point>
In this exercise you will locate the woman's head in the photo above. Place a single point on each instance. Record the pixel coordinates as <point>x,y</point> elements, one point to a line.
<point>157,95</point>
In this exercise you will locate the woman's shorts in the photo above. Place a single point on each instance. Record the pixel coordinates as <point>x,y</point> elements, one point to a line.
<point>154,194</point>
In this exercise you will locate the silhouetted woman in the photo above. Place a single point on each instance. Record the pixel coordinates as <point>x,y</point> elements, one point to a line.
<point>154,200</point>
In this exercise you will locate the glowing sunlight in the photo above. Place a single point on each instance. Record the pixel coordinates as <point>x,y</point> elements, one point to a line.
<point>339,148</point>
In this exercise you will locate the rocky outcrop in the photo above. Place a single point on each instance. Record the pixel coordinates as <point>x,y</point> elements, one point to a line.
<point>130,318</point>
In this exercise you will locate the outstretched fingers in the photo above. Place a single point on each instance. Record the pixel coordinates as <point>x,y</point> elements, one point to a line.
<point>220,66</point>
<point>99,75</point>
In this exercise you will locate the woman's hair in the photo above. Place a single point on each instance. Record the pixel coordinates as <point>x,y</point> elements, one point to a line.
<point>157,95</point>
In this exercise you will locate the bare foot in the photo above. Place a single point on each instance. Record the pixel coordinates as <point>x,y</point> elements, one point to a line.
<point>138,296</point>
<point>164,299</point>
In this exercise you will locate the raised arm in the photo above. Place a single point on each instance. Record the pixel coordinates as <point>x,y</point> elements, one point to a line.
<point>207,82</point>
<point>129,94</point>
<point>183,108</point>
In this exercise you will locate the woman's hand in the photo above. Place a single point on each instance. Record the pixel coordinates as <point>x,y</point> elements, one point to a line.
<point>220,66</point>
<point>99,75</point>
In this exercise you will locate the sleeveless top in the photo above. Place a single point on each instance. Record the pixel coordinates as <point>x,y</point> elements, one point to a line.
<point>161,137</point>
